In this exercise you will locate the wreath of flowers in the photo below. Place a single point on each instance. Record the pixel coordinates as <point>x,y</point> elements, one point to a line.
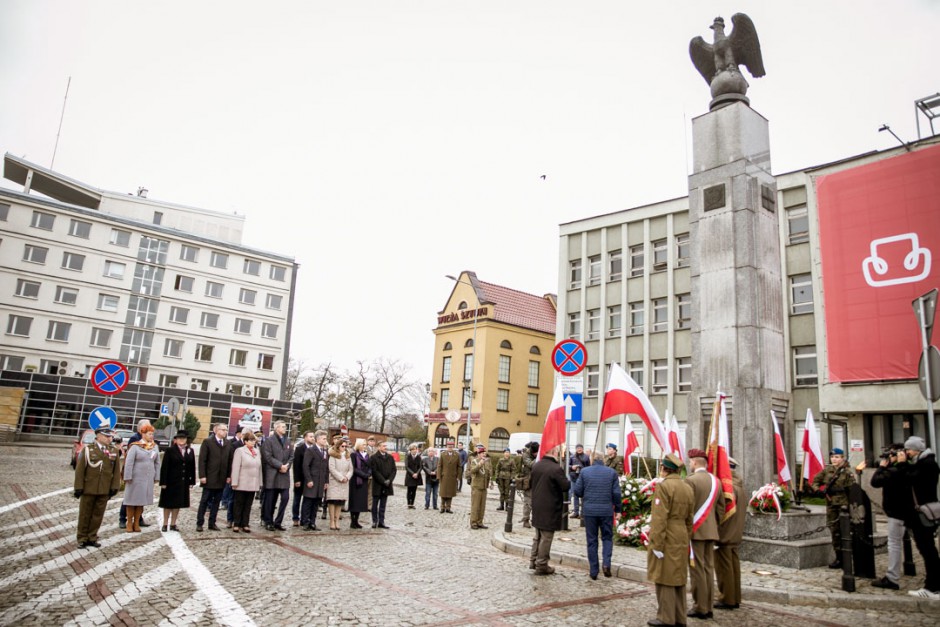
<point>633,523</point>
<point>770,499</point>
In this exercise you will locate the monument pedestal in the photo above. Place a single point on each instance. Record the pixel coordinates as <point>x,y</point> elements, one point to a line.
<point>797,540</point>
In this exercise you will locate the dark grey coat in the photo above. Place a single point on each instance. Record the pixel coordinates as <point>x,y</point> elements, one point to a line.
<point>549,485</point>
<point>215,463</point>
<point>383,475</point>
<point>316,471</point>
<point>273,456</point>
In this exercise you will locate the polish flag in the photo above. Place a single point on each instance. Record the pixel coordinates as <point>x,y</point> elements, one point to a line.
<point>624,396</point>
<point>783,468</point>
<point>718,465</point>
<point>631,444</point>
<point>553,433</point>
<point>676,441</point>
<point>812,452</point>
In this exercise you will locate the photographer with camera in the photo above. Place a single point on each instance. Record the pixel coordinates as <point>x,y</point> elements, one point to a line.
<point>919,465</point>
<point>896,501</point>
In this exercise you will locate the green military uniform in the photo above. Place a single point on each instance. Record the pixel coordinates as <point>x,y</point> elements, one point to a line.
<point>97,479</point>
<point>522,483</point>
<point>834,482</point>
<point>504,471</point>
<point>615,462</point>
<point>479,473</point>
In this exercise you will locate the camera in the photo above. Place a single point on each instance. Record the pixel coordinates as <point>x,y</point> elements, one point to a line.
<point>890,451</point>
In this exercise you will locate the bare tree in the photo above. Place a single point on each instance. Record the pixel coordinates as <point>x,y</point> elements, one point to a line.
<point>319,390</point>
<point>392,388</point>
<point>293,384</point>
<point>356,393</point>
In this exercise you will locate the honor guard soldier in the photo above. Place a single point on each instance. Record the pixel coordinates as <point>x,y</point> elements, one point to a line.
<point>479,473</point>
<point>97,479</point>
<point>834,482</point>
<point>504,469</point>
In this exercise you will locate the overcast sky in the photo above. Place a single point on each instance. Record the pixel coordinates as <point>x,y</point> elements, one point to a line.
<point>387,143</point>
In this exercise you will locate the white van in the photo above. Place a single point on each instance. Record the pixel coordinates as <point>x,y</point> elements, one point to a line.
<point>518,440</point>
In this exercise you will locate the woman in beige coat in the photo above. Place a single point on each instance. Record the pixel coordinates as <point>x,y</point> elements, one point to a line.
<point>246,480</point>
<point>341,471</point>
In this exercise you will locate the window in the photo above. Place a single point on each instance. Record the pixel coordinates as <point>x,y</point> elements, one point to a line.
<point>594,324</point>
<point>73,261</point>
<point>247,297</point>
<point>798,224</point>
<point>262,392</point>
<point>34,254</point>
<point>218,260</point>
<point>278,273</point>
<point>179,315</point>
<point>448,346</point>
<point>445,398</point>
<point>660,314</point>
<point>684,374</point>
<point>445,370</point>
<point>533,374</point>
<point>532,404</point>
<point>200,384</point>
<point>242,325</point>
<point>169,380</point>
<point>114,270</point>
<point>204,352</point>
<point>683,311</point>
<point>660,376</point>
<point>66,295</point>
<point>575,274</point>
<point>58,331</point>
<point>265,361</point>
<point>19,325</point>
<point>269,331</point>
<point>42,220</point>
<point>468,344</point>
<point>682,250</point>
<point>252,267</point>
<point>660,255</point>
<point>574,325</point>
<point>635,370</point>
<point>152,250</point>
<point>503,370</point>
<point>615,265</point>
<point>636,260</point>
<point>209,320</point>
<point>637,318</point>
<point>107,302</point>
<point>189,253</point>
<point>120,238</point>
<point>593,380</point>
<point>804,366</point>
<point>614,320</point>
<point>535,350</point>
<point>10,362</point>
<point>77,228</point>
<point>213,289</point>
<point>502,400</point>
<point>467,367</point>
<point>27,289</point>
<point>506,344</point>
<point>274,301</point>
<point>4,213</point>
<point>594,270</point>
<point>184,283</point>
<point>173,348</point>
<point>158,217</point>
<point>100,338</point>
<point>238,357</point>
<point>465,399</point>
<point>801,293</point>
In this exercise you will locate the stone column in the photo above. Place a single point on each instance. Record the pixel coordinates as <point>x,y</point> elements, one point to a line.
<point>737,294</point>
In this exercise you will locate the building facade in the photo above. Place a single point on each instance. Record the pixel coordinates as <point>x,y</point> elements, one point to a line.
<point>510,335</point>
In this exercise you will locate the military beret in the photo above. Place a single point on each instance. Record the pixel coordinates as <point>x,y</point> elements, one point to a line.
<point>837,451</point>
<point>697,452</point>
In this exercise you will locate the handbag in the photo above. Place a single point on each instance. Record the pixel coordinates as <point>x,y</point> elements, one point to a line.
<point>929,513</point>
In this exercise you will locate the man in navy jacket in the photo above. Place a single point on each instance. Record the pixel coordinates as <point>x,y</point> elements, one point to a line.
<point>598,486</point>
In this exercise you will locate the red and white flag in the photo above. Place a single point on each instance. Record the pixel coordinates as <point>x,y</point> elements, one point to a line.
<point>631,444</point>
<point>624,396</point>
<point>812,452</point>
<point>553,433</point>
<point>783,468</point>
<point>718,445</point>
<point>676,440</point>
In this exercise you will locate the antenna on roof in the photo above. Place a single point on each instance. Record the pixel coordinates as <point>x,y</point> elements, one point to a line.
<point>62,117</point>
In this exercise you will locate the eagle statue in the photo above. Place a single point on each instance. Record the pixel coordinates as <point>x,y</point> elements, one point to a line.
<point>718,62</point>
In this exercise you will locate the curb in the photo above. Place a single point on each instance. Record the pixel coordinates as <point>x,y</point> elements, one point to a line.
<point>833,599</point>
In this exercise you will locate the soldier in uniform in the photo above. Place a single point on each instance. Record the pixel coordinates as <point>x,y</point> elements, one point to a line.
<point>727,562</point>
<point>612,460</point>
<point>503,478</point>
<point>706,489</point>
<point>834,482</point>
<point>97,479</point>
<point>479,473</point>
<point>448,469</point>
<point>529,451</point>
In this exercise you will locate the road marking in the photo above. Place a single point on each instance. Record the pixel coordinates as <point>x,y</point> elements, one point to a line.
<point>227,610</point>
<point>63,512</point>
<point>189,611</point>
<point>48,546</point>
<point>12,506</point>
<point>37,534</point>
<point>112,604</point>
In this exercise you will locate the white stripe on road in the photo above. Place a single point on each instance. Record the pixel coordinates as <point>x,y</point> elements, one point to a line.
<point>46,547</point>
<point>112,604</point>
<point>227,610</point>
<point>63,512</point>
<point>11,506</point>
<point>37,534</point>
<point>189,611</point>
<point>73,585</point>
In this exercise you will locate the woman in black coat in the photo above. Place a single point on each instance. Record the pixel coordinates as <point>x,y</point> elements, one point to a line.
<point>177,477</point>
<point>359,484</point>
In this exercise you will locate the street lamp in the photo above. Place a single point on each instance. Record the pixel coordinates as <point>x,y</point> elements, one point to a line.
<point>473,361</point>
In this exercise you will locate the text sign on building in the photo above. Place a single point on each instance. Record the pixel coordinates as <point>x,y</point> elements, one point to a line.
<point>569,357</point>
<point>102,417</point>
<point>572,390</point>
<point>879,240</point>
<point>109,377</point>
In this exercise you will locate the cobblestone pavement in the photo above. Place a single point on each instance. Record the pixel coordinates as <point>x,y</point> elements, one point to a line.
<point>428,569</point>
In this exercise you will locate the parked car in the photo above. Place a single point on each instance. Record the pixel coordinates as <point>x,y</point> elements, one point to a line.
<point>162,438</point>
<point>78,445</point>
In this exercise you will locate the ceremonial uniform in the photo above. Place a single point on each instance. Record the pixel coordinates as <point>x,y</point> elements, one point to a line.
<point>706,488</point>
<point>727,562</point>
<point>97,479</point>
<point>667,559</point>
<point>615,462</point>
<point>834,482</point>
<point>448,469</point>
<point>504,468</point>
<point>479,474</point>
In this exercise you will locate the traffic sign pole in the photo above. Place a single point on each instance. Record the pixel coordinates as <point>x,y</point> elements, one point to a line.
<point>925,324</point>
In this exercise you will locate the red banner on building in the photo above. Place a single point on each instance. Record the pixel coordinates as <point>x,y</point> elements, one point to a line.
<point>879,237</point>
<point>252,417</point>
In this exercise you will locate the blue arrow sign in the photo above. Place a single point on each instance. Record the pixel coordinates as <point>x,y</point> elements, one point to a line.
<point>102,417</point>
<point>573,406</point>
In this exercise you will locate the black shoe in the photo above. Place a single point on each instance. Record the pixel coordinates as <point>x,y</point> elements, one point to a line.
<point>92,544</point>
<point>482,527</point>
<point>163,528</point>
<point>173,528</point>
<point>214,528</point>
<point>594,576</point>
<point>884,582</point>
<point>836,564</point>
<point>122,524</point>
<point>727,606</point>
<point>279,528</point>
<point>355,526</point>
<point>312,528</point>
<point>575,516</point>
<point>531,565</point>
<point>269,527</point>
<point>383,526</point>
<point>199,528</point>
<point>701,615</point>
<point>427,507</point>
<point>143,523</point>
<point>658,623</point>
<point>607,572</point>
<point>546,570</point>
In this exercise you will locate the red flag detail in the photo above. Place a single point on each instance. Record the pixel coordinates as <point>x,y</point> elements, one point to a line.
<point>812,452</point>
<point>553,433</point>
<point>631,444</point>
<point>718,465</point>
<point>624,396</point>
<point>783,468</point>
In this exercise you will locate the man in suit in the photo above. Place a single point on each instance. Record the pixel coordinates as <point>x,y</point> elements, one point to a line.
<point>430,464</point>
<point>383,475</point>
<point>413,474</point>
<point>464,455</point>
<point>299,453</point>
<point>316,476</point>
<point>97,479</point>
<point>730,535</point>
<point>549,487</point>
<point>708,502</point>
<point>215,470</point>
<point>599,488</point>
<point>448,469</point>
<point>276,453</point>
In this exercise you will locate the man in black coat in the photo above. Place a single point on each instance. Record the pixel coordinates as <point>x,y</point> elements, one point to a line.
<point>383,475</point>
<point>921,476</point>
<point>316,477</point>
<point>299,453</point>
<point>215,470</point>
<point>897,500</point>
<point>413,476</point>
<point>549,486</point>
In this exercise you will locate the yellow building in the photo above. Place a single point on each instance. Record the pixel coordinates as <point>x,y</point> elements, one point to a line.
<point>512,386</point>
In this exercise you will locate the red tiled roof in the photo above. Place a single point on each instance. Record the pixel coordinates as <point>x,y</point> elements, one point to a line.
<point>518,308</point>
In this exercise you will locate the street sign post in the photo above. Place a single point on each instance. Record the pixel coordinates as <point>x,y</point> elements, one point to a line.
<point>102,417</point>
<point>109,377</point>
<point>569,357</point>
<point>173,406</point>
<point>925,309</point>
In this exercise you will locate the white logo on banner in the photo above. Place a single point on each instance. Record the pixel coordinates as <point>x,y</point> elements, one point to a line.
<point>911,261</point>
